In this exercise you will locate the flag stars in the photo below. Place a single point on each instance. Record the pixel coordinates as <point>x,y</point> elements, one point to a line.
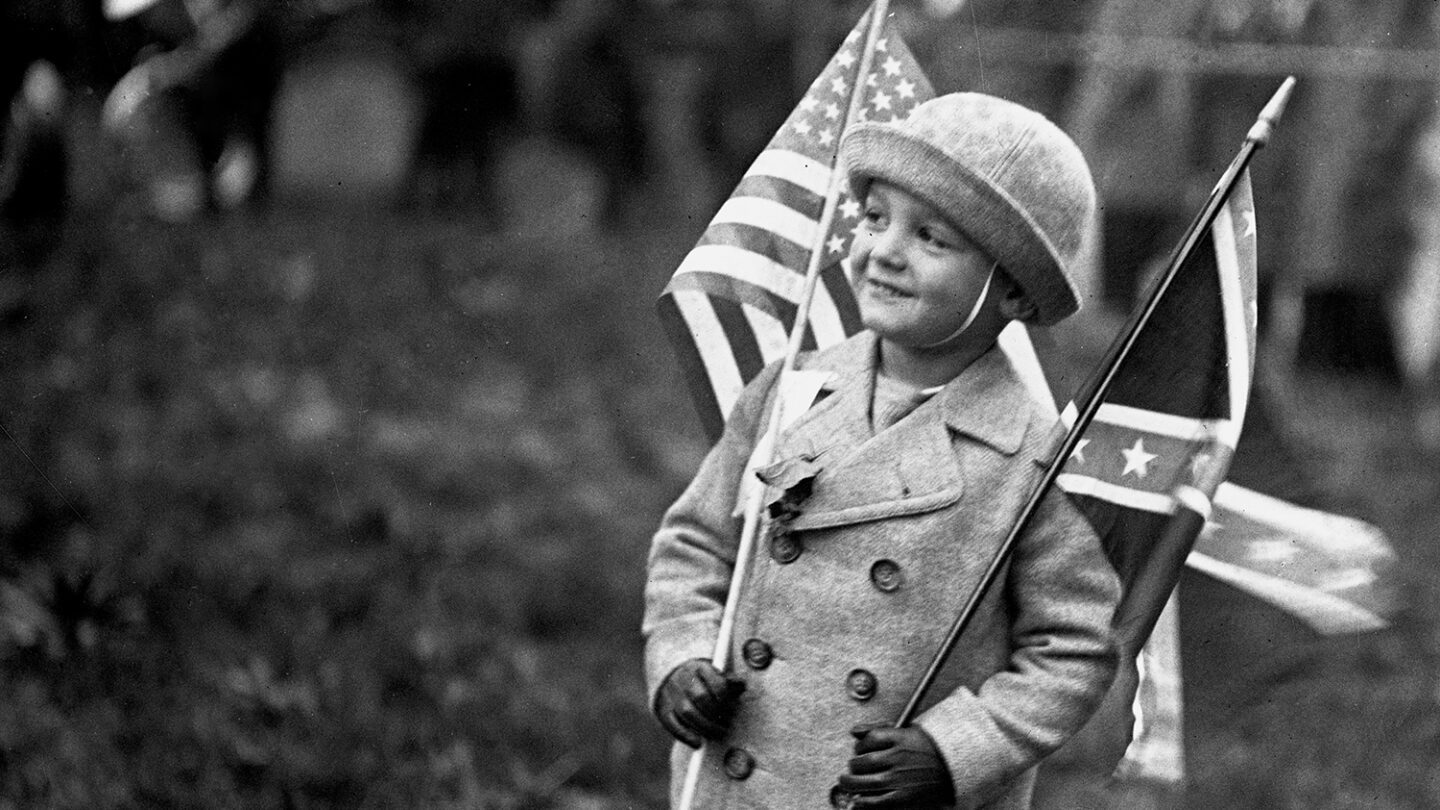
<point>1078,454</point>
<point>850,208</point>
<point>803,127</point>
<point>892,66</point>
<point>1137,461</point>
<point>846,58</point>
<point>881,100</point>
<point>836,244</point>
<point>872,80</point>
<point>905,88</point>
<point>832,111</point>
<point>839,86</point>
<point>827,136</point>
<point>808,104</point>
<point>882,45</point>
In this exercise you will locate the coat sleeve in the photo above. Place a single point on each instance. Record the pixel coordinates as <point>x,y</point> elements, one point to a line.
<point>1063,593</point>
<point>692,554</point>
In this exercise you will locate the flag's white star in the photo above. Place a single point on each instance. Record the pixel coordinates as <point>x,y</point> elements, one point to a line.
<point>1078,454</point>
<point>862,114</point>
<point>808,104</point>
<point>882,45</point>
<point>836,244</point>
<point>803,127</point>
<point>905,88</point>
<point>852,36</point>
<point>881,101</point>
<point>827,137</point>
<point>892,66</point>
<point>872,80</point>
<point>839,86</point>
<point>845,59</point>
<point>1137,460</point>
<point>850,209</point>
<point>832,111</point>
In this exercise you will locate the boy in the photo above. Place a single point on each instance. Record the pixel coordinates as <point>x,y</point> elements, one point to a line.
<point>887,500</point>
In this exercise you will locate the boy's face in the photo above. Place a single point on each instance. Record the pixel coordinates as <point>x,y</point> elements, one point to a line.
<point>916,276</point>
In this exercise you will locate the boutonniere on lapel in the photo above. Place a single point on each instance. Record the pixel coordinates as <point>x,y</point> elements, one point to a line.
<point>794,477</point>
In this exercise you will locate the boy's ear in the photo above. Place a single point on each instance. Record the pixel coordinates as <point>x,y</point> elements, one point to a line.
<point>1015,305</point>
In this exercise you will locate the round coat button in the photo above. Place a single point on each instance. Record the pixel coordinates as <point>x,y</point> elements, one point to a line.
<point>840,799</point>
<point>738,763</point>
<point>861,684</point>
<point>785,546</point>
<point>757,653</point>
<point>885,575</point>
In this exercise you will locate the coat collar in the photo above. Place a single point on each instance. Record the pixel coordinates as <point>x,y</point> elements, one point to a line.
<point>980,402</point>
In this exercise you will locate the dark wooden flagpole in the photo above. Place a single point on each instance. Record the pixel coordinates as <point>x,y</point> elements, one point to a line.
<point>1257,137</point>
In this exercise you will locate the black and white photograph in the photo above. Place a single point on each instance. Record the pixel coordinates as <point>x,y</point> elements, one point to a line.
<point>719,404</point>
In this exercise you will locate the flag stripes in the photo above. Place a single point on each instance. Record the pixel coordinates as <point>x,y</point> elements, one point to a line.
<point>1325,613</point>
<point>743,281</point>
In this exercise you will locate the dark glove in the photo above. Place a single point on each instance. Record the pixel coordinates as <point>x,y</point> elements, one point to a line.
<point>896,767</point>
<point>697,701</point>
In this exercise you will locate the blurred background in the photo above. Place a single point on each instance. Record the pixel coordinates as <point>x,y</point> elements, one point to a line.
<point>337,417</point>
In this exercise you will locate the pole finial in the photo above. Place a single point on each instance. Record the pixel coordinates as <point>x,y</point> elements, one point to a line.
<point>1270,116</point>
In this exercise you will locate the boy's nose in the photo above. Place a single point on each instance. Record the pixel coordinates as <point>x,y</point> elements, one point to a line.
<point>889,248</point>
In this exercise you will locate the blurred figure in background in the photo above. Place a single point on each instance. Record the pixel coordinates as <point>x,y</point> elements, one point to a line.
<point>32,167</point>
<point>192,112</point>
<point>1415,304</point>
<point>48,50</point>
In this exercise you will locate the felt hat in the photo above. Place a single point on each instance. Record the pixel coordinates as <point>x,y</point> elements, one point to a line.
<point>1007,176</point>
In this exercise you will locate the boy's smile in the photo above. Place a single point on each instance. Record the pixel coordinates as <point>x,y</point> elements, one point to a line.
<point>916,276</point>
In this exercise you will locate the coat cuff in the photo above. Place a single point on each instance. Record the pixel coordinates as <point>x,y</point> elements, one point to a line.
<point>983,760</point>
<point>676,643</point>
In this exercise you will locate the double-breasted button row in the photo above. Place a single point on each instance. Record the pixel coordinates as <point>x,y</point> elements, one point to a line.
<point>785,545</point>
<point>739,763</point>
<point>757,654</point>
<point>861,684</point>
<point>886,576</point>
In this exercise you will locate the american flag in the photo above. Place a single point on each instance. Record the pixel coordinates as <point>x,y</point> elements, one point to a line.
<point>731,304</point>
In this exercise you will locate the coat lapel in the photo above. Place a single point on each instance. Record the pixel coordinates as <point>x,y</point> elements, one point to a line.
<point>910,468</point>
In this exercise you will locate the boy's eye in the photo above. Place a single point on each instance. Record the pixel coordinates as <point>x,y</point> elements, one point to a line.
<point>874,216</point>
<point>936,238</point>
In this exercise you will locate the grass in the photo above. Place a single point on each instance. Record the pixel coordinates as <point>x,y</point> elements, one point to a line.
<point>331,512</point>
<point>310,510</point>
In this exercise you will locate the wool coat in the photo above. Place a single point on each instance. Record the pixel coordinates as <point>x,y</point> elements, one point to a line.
<point>877,540</point>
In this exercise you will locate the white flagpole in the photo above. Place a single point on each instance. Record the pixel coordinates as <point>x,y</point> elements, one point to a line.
<point>765,445</point>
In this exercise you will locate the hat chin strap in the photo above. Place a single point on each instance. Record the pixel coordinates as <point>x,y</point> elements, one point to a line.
<point>974,311</point>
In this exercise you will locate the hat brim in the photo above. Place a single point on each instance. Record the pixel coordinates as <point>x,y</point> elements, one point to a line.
<point>981,209</point>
